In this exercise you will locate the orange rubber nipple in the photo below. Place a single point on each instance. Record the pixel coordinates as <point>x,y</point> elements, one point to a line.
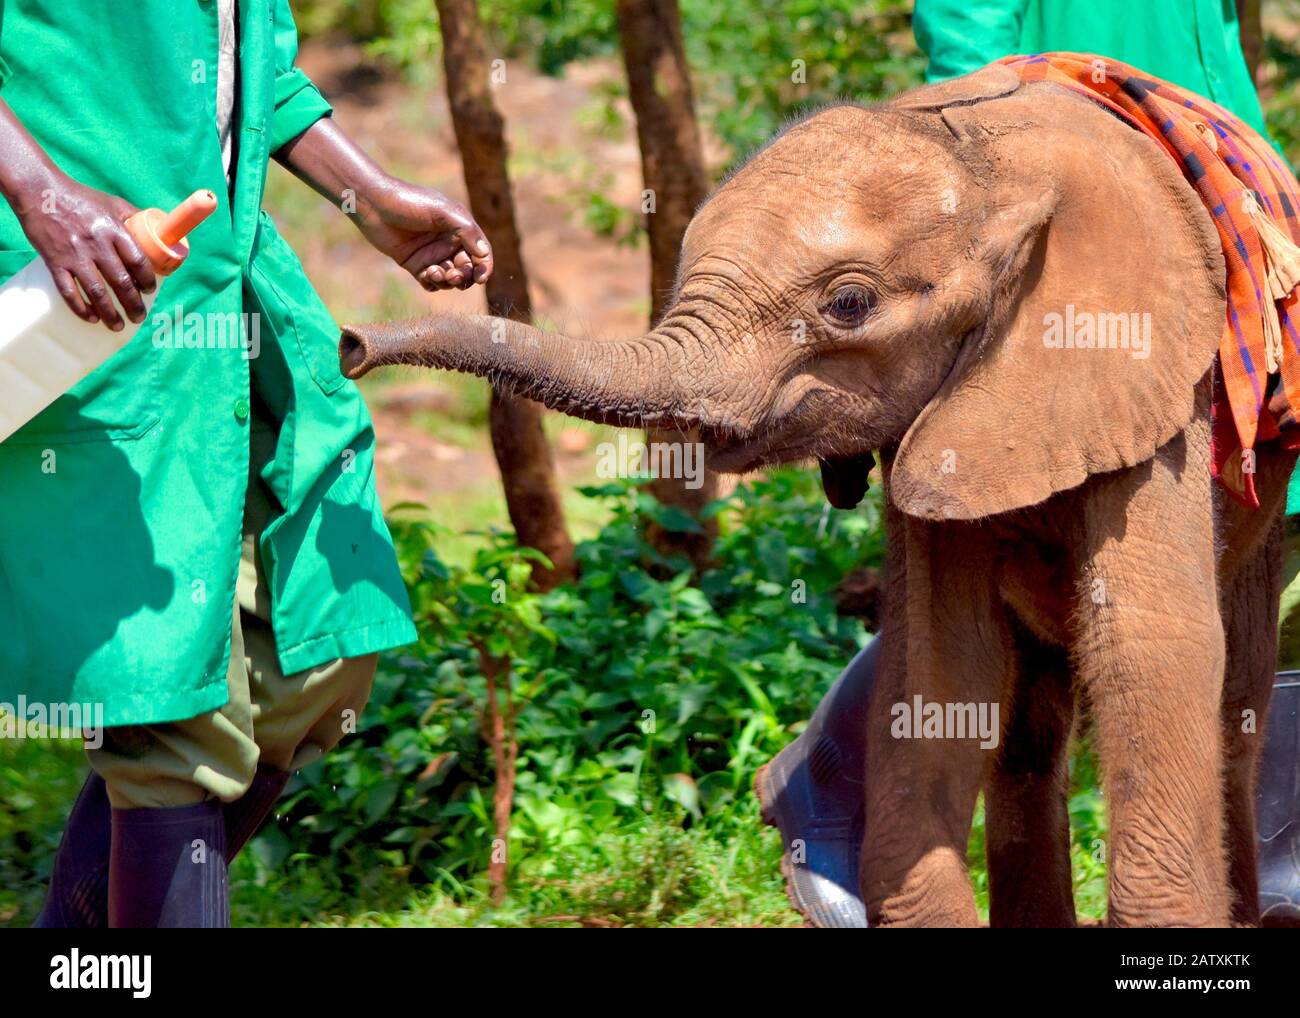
<point>161,235</point>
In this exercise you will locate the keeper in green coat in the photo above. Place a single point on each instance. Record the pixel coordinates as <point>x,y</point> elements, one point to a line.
<point>190,539</point>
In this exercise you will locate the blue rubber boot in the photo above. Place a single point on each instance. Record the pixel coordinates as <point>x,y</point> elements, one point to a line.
<point>1277,807</point>
<point>812,793</point>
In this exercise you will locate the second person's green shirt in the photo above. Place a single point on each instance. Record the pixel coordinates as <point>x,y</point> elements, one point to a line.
<point>1192,43</point>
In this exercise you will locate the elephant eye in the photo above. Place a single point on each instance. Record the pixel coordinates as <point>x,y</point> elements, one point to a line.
<point>849,306</point>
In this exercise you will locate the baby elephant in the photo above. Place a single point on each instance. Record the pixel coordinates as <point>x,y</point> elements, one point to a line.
<point>906,278</point>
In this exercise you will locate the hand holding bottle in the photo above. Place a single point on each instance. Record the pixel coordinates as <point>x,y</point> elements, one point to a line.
<point>80,233</point>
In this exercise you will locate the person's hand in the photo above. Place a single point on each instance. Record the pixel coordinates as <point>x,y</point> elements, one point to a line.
<point>80,235</point>
<point>431,236</point>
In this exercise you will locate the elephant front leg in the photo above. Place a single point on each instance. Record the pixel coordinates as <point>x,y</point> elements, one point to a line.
<point>943,668</point>
<point>1149,651</point>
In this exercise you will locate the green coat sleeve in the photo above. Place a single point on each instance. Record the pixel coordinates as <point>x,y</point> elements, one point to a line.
<point>960,36</point>
<point>5,70</point>
<point>298,103</point>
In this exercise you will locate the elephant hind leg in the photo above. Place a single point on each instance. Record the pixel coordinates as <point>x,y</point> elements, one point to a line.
<point>1026,797</point>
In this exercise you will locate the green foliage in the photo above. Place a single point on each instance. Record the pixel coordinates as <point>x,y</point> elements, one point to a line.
<point>553,32</point>
<point>754,64</point>
<point>361,19</point>
<point>1089,831</point>
<point>645,705</point>
<point>39,778</point>
<point>1281,58</point>
<point>609,219</point>
<point>749,59</point>
<point>649,872</point>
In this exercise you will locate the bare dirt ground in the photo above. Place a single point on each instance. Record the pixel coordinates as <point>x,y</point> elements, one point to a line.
<point>564,143</point>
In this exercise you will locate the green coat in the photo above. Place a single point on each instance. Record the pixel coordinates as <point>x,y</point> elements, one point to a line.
<point>1192,43</point>
<point>121,505</point>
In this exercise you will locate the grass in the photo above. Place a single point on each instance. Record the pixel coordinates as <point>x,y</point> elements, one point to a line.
<point>722,872</point>
<point>651,874</point>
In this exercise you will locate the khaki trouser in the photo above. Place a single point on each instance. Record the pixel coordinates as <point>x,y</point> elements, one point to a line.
<point>284,721</point>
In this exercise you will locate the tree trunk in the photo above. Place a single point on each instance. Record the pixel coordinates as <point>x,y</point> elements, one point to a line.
<point>522,452</point>
<point>498,729</point>
<point>672,166</point>
<point>1252,34</point>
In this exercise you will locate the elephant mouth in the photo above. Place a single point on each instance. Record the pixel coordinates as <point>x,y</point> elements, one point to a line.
<point>776,436</point>
<point>844,477</point>
<point>730,452</point>
<point>734,452</point>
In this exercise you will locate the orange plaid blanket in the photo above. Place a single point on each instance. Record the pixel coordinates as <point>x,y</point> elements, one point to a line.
<point>1253,199</point>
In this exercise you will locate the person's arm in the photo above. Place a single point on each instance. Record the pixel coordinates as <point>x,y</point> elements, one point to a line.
<point>78,232</point>
<point>424,231</point>
<point>960,36</point>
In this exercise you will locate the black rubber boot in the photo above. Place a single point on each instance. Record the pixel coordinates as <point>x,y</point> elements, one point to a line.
<point>244,816</point>
<point>1277,807</point>
<point>167,868</point>
<point>78,894</point>
<point>812,792</point>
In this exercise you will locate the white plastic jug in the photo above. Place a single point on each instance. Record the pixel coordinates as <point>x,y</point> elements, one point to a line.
<point>45,349</point>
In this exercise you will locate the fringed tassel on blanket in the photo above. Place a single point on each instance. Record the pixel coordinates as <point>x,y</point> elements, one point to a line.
<point>1207,135</point>
<point>1282,262</point>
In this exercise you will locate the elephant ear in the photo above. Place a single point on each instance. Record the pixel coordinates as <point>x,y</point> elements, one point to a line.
<point>1105,307</point>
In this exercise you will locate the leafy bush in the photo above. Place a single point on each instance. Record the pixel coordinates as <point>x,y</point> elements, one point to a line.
<point>645,703</point>
<point>645,706</point>
<point>39,779</point>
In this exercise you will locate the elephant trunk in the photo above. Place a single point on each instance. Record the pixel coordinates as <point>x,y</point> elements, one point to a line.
<point>629,383</point>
